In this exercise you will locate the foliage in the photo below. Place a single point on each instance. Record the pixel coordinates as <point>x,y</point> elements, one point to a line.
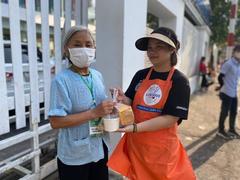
<point>219,21</point>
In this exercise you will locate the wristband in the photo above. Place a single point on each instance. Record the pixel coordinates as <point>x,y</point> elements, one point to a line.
<point>134,127</point>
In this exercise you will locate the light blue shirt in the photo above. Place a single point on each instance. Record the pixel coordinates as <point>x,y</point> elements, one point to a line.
<point>69,95</point>
<point>231,70</point>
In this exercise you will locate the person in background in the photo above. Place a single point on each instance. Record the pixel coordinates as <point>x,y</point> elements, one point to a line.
<point>77,103</point>
<point>228,80</point>
<point>203,74</point>
<point>150,148</point>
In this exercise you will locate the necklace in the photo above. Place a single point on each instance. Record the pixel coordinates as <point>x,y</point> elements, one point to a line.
<point>88,84</point>
<point>76,70</point>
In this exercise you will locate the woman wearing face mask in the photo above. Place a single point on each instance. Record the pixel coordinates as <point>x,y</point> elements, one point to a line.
<point>159,96</point>
<point>77,103</point>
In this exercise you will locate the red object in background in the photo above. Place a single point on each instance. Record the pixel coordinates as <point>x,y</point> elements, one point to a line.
<point>231,39</point>
<point>203,68</point>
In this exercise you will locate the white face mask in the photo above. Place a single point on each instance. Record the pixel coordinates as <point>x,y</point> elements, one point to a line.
<point>82,57</point>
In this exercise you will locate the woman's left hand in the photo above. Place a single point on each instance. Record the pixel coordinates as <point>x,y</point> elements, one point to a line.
<point>128,128</point>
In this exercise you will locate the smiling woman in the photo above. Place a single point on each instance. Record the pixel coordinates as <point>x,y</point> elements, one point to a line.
<point>150,149</point>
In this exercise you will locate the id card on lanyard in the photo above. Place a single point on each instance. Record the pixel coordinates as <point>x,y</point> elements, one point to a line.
<point>95,125</point>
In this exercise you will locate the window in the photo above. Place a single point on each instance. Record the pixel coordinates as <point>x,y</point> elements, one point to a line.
<point>152,21</point>
<point>22,3</point>
<point>8,54</point>
<point>51,6</point>
<point>38,5</point>
<point>4,1</point>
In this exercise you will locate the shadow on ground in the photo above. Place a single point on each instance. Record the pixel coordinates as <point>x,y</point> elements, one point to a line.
<point>206,151</point>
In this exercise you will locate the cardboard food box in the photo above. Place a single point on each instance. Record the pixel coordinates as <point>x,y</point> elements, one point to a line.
<point>125,114</point>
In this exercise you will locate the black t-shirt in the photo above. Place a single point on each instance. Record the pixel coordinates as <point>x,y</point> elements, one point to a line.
<point>178,100</point>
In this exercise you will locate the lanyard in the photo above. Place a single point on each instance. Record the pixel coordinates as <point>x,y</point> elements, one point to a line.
<point>90,87</point>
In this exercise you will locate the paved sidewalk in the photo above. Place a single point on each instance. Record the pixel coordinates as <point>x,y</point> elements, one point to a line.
<point>212,157</point>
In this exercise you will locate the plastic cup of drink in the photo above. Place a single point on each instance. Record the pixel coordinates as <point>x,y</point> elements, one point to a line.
<point>111,124</point>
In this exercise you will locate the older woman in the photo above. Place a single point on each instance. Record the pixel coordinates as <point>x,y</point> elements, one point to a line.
<point>76,106</point>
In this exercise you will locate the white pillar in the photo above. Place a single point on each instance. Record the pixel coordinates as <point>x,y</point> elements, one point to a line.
<point>109,39</point>
<point>118,24</point>
<point>135,20</point>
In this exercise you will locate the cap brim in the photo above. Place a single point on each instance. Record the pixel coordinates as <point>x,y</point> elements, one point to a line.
<point>142,43</point>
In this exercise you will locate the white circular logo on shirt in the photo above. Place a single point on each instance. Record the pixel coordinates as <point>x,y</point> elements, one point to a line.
<point>153,95</point>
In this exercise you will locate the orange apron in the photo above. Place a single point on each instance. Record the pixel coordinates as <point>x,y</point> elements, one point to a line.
<point>157,155</point>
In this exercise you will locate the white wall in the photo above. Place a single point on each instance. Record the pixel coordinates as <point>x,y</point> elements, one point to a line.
<point>109,40</point>
<point>190,54</point>
<point>194,46</point>
<point>204,36</point>
<point>190,48</point>
<point>134,28</point>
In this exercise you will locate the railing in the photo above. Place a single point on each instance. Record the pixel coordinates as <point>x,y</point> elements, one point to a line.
<point>30,119</point>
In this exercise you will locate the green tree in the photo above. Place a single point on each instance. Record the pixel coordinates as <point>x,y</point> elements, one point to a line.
<point>219,21</point>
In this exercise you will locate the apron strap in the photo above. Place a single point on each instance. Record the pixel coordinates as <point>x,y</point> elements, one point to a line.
<point>170,74</point>
<point>149,73</point>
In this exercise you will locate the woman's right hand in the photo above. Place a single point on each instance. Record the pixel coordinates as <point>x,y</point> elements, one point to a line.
<point>121,98</point>
<point>103,109</point>
<point>120,94</point>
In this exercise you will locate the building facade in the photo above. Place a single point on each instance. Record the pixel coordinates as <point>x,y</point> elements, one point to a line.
<point>120,23</point>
